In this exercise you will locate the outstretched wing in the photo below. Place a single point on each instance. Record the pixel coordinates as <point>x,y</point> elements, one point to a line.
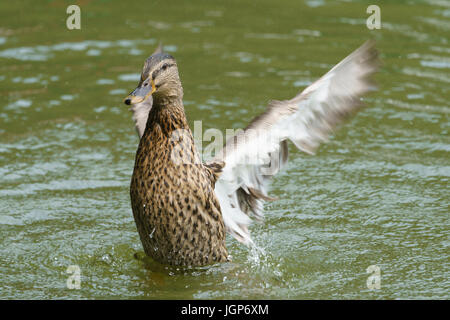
<point>255,154</point>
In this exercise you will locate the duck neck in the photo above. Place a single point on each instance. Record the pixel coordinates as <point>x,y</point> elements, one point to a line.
<point>167,113</point>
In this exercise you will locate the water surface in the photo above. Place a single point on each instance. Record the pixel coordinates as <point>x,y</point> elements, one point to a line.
<point>376,194</point>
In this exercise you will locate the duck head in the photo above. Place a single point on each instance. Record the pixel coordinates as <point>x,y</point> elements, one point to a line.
<point>159,81</point>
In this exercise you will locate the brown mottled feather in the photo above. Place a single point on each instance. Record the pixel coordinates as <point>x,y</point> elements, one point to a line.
<point>176,211</point>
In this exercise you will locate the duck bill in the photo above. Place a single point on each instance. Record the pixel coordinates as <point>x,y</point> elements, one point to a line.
<point>140,94</point>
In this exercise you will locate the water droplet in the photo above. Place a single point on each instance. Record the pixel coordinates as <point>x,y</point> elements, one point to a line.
<point>106,258</point>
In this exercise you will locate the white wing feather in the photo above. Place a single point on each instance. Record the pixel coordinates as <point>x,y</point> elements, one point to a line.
<point>257,153</point>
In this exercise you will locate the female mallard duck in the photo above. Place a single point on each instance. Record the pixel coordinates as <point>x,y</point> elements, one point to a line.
<point>182,207</point>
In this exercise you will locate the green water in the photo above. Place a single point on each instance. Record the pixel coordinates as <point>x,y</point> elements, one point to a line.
<point>376,194</point>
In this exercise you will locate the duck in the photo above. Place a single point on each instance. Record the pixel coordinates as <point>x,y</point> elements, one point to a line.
<point>183,207</point>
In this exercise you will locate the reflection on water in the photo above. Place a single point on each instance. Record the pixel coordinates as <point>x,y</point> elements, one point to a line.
<point>376,194</point>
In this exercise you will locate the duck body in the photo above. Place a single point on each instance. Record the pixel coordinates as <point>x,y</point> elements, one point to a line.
<point>172,193</point>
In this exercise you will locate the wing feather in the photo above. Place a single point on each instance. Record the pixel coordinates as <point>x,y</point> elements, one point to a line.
<point>257,153</point>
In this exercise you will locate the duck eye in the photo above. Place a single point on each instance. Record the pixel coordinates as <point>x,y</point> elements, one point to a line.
<point>164,67</point>
<point>145,84</point>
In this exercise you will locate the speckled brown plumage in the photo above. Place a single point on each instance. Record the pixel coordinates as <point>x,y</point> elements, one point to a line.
<point>172,193</point>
